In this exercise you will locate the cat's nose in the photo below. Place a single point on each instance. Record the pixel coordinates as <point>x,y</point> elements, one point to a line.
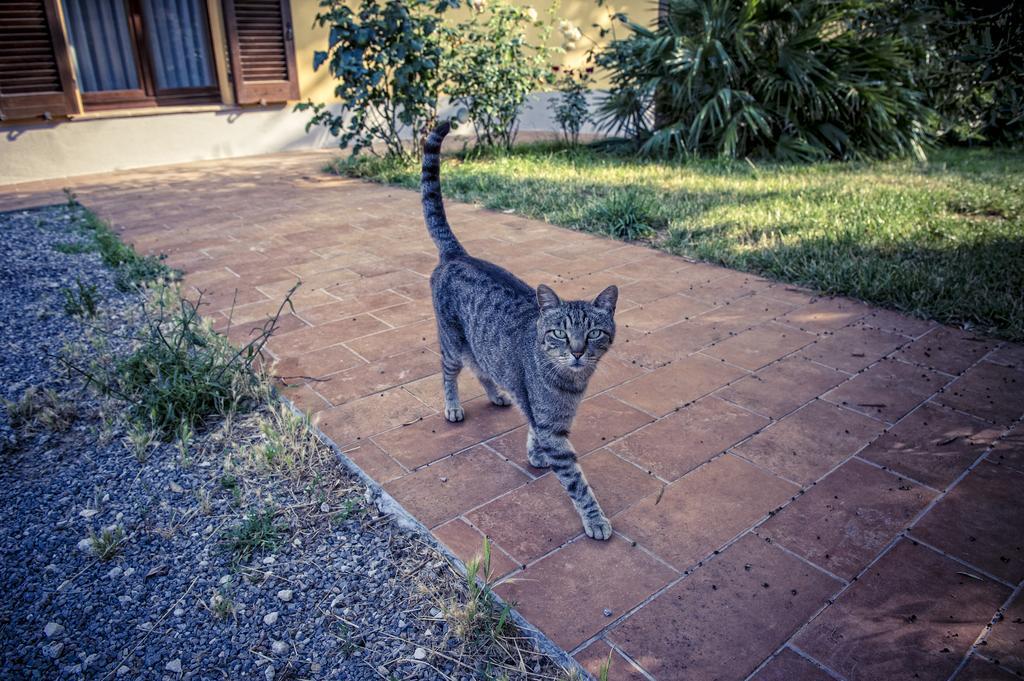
<point>576,354</point>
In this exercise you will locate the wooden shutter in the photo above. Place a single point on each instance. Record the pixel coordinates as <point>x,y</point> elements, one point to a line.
<point>262,50</point>
<point>35,72</point>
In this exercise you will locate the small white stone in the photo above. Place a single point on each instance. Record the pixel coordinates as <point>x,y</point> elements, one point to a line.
<point>176,488</point>
<point>129,572</point>
<point>325,507</point>
<point>225,579</point>
<point>106,498</point>
<point>279,647</point>
<point>285,595</point>
<point>53,629</point>
<point>88,512</point>
<point>420,654</point>
<point>268,673</point>
<point>53,650</point>
<point>174,666</point>
<point>115,572</point>
<point>270,619</point>
<point>85,544</point>
<point>122,670</point>
<point>269,560</point>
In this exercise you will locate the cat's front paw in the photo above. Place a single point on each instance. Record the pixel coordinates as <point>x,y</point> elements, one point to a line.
<point>501,399</point>
<point>598,527</point>
<point>454,414</point>
<point>537,460</point>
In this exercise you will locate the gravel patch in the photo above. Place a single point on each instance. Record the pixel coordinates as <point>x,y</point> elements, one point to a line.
<point>339,592</point>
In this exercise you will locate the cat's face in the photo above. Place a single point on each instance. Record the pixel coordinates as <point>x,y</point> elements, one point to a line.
<point>575,334</point>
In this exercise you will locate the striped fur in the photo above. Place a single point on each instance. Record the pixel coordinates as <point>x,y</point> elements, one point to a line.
<point>430,190</point>
<point>525,346</point>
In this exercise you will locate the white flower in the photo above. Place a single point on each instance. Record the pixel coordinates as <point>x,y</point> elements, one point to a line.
<point>574,35</point>
<point>531,14</point>
<point>569,46</point>
<point>564,25</point>
<point>477,5</point>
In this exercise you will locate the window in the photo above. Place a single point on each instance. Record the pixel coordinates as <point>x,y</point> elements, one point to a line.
<point>131,53</point>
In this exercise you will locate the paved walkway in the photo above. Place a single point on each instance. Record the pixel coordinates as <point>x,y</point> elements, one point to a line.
<point>801,487</point>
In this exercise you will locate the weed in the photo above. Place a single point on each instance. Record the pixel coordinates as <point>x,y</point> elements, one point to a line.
<point>139,440</point>
<point>184,443</point>
<point>80,302</point>
<point>74,247</point>
<point>40,409</point>
<point>605,668</point>
<point>625,213</point>
<point>70,198</point>
<point>108,542</point>
<point>287,442</point>
<point>480,622</point>
<point>350,507</point>
<point>203,497</point>
<point>221,604</point>
<point>258,532</point>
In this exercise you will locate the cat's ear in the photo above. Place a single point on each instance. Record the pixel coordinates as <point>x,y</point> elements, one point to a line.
<point>547,298</point>
<point>607,298</point>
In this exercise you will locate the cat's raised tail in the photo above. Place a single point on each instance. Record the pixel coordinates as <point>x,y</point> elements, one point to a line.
<point>430,187</point>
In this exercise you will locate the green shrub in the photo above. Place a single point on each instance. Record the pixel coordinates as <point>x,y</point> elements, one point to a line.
<point>258,532</point>
<point>624,213</point>
<point>490,66</point>
<point>790,79</point>
<point>570,107</point>
<point>131,269</point>
<point>385,57</point>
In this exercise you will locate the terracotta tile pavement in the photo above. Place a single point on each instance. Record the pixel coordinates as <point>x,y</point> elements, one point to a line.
<point>801,487</point>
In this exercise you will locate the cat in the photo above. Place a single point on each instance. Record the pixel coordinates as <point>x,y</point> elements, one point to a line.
<point>526,347</point>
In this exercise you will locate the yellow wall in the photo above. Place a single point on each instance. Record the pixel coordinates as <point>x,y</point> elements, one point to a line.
<point>320,87</point>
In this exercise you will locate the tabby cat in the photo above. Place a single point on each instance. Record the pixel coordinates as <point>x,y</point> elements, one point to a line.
<point>525,346</point>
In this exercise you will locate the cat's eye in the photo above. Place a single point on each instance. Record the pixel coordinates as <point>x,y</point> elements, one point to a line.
<point>594,334</point>
<point>559,334</point>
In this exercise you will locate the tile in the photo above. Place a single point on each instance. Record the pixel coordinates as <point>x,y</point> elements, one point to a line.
<point>406,313</point>
<point>677,384</point>
<point>316,364</point>
<point>979,669</point>
<point>374,461</point>
<point>946,349</point>
<point>759,346</point>
<point>853,348</point>
<point>351,305</point>
<point>896,322</point>
<point>512,447</point>
<point>466,542</point>
<point>371,378</point>
<point>888,390</point>
<point>598,658</point>
<point>826,314</point>
<point>726,617</point>
<point>319,337</point>
<point>395,341</point>
<point>359,419</point>
<point>1005,642</point>
<point>934,445</point>
<point>810,442</point>
<point>617,484</point>
<point>1009,451</point>
<point>568,603</point>
<point>661,312</point>
<point>989,391</point>
<point>530,520</point>
<point>683,440</point>
<point>430,389</point>
<point>910,616</point>
<point>671,343</point>
<point>843,522</point>
<point>789,666</point>
<point>610,373</point>
<point>449,488</point>
<point>700,512</point>
<point>303,398</point>
<point>783,386</point>
<point>603,419</point>
<point>434,438</point>
<point>1008,354</point>
<point>981,521</point>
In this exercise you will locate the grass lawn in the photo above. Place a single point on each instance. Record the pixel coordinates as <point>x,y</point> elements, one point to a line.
<point>943,240</point>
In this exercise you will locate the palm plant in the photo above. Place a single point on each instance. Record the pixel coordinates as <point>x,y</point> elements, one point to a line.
<point>795,80</point>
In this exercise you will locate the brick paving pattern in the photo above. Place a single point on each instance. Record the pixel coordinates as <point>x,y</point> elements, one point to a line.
<point>801,487</point>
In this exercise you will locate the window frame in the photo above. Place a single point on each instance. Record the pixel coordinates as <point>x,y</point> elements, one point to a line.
<point>149,95</point>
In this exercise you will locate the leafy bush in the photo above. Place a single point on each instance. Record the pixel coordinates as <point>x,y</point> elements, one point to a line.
<point>969,61</point>
<point>490,67</point>
<point>793,79</point>
<point>570,107</point>
<point>386,58</point>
